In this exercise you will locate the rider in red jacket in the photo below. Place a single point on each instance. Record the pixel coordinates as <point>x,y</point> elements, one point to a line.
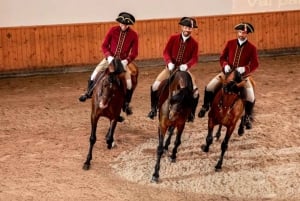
<point>120,42</point>
<point>181,52</point>
<point>240,55</point>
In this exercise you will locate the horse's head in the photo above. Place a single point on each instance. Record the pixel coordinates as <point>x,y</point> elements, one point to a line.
<point>116,66</point>
<point>233,82</point>
<point>181,93</point>
<point>110,84</point>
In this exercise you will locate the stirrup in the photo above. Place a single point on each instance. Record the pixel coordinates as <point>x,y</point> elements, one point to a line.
<point>202,112</point>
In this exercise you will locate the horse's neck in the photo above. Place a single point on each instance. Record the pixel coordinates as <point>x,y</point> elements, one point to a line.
<point>226,99</point>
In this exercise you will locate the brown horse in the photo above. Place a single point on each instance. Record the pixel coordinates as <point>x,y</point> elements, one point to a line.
<point>107,101</point>
<point>175,105</point>
<point>244,122</point>
<point>227,108</point>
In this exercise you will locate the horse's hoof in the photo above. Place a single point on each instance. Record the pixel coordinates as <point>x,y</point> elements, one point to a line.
<point>217,136</point>
<point>241,132</point>
<point>152,114</point>
<point>218,169</point>
<point>120,119</point>
<point>129,111</point>
<point>202,112</point>
<point>248,126</point>
<point>111,145</point>
<point>204,148</point>
<point>191,118</point>
<point>86,166</point>
<point>83,98</point>
<point>172,160</point>
<point>154,179</point>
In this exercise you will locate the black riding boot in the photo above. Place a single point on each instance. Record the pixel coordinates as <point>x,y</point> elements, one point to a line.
<point>208,96</point>
<point>89,91</point>
<point>194,106</point>
<point>154,101</point>
<point>248,114</point>
<point>126,107</point>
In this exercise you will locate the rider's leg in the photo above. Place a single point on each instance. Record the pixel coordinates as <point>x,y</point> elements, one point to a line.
<point>129,91</point>
<point>195,101</point>
<point>249,104</point>
<point>154,99</point>
<point>89,92</point>
<point>209,94</point>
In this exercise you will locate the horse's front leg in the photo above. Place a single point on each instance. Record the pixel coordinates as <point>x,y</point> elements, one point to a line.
<point>218,133</point>
<point>160,151</point>
<point>93,138</point>
<point>224,147</point>
<point>177,143</point>
<point>168,141</point>
<point>110,133</point>
<point>209,137</point>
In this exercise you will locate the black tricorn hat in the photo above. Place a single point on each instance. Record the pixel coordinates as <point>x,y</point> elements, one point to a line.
<point>245,26</point>
<point>126,18</point>
<point>189,22</point>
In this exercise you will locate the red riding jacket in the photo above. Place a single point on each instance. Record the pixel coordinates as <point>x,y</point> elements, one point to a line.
<point>237,56</point>
<point>122,44</point>
<point>179,52</point>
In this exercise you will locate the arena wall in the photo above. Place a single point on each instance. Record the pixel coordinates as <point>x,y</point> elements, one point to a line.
<point>78,44</point>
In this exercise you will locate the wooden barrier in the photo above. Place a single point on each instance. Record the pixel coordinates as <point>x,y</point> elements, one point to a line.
<point>39,47</point>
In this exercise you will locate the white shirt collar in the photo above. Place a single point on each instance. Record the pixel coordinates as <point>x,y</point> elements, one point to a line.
<point>184,37</point>
<point>241,42</point>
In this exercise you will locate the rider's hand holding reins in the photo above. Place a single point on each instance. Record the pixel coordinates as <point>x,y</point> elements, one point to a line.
<point>171,66</point>
<point>241,70</point>
<point>227,69</point>
<point>183,67</point>
<point>124,63</point>
<point>109,59</point>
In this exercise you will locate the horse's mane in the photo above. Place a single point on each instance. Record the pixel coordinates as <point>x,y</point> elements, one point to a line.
<point>231,85</point>
<point>118,66</point>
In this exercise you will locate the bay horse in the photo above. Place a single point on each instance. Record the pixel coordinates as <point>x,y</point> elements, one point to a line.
<point>175,96</point>
<point>107,101</point>
<point>226,109</point>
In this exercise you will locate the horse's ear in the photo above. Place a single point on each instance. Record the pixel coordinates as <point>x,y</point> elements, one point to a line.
<point>238,76</point>
<point>118,66</point>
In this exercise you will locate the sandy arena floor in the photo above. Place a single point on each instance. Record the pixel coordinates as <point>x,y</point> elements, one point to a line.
<point>44,135</point>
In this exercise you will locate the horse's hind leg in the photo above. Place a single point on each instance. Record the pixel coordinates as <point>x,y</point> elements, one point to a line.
<point>170,134</point>
<point>160,151</point>
<point>93,139</point>
<point>176,144</point>
<point>224,147</point>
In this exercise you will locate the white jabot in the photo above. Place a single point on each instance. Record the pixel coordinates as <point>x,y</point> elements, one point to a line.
<point>184,37</point>
<point>241,42</point>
